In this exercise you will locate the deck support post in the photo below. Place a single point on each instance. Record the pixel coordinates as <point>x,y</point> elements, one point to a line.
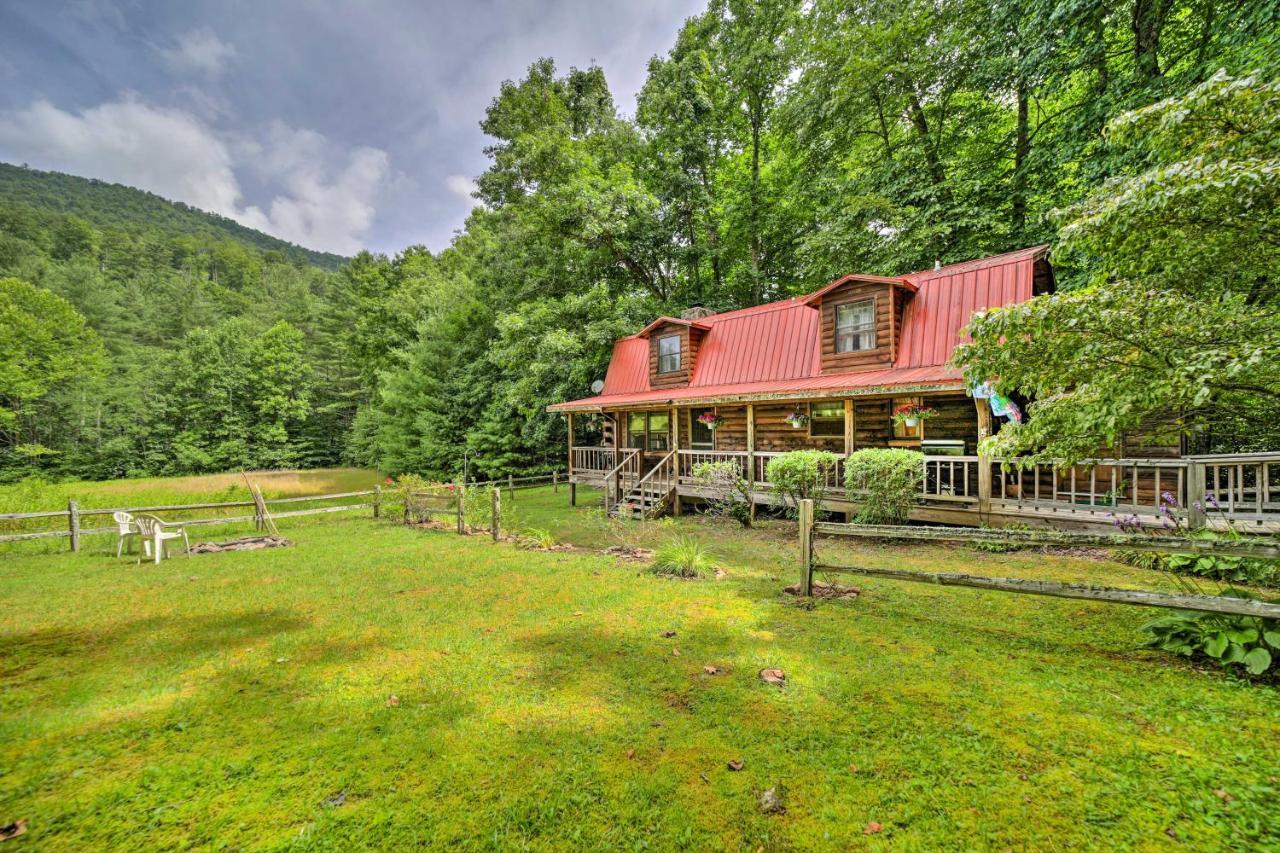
<point>984,461</point>
<point>751,457</point>
<point>848,426</point>
<point>573,492</point>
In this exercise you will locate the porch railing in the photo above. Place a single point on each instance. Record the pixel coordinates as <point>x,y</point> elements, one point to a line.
<point>597,460</point>
<point>621,478</point>
<point>1213,491</point>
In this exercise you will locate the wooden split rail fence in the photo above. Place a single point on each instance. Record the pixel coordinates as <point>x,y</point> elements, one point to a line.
<point>1244,547</point>
<point>76,516</point>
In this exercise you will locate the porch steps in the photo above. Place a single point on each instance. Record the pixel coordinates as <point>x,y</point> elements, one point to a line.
<point>641,503</point>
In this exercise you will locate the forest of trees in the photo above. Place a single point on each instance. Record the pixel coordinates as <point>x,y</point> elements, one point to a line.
<point>775,146</point>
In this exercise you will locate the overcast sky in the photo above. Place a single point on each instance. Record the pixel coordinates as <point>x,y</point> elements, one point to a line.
<point>338,126</point>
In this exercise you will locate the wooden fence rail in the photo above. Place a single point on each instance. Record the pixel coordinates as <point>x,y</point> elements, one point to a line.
<point>74,514</point>
<point>1168,544</point>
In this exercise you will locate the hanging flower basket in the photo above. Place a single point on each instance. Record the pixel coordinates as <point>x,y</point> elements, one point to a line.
<point>797,419</point>
<point>912,414</point>
<point>710,420</point>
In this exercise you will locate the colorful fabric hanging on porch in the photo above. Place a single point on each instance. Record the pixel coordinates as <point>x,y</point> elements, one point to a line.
<point>1003,407</point>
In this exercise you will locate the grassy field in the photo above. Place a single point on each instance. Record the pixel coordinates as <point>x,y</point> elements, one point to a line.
<point>377,686</point>
<point>34,495</point>
<point>37,496</point>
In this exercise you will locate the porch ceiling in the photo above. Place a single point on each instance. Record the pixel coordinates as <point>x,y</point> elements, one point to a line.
<point>867,383</point>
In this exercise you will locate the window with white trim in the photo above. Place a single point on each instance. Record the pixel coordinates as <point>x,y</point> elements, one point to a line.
<point>669,354</point>
<point>856,326</point>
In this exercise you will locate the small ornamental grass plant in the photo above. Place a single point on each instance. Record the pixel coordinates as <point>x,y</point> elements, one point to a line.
<point>886,482</point>
<point>682,557</point>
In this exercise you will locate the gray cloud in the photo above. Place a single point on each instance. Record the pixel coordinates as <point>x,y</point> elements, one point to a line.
<point>335,126</point>
<point>199,51</point>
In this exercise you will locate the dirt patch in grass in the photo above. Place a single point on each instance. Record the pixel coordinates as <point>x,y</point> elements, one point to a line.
<point>822,589</point>
<point>629,552</point>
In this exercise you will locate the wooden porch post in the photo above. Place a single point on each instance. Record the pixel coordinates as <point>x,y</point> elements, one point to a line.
<point>675,445</point>
<point>984,461</point>
<point>573,486</point>
<point>751,456</point>
<point>848,426</point>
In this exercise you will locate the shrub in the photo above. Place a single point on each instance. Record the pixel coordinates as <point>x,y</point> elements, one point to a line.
<point>800,475</point>
<point>885,481</point>
<point>682,557</point>
<point>534,538</point>
<point>732,492</point>
<point>414,495</point>
<point>1220,567</point>
<point>1245,641</point>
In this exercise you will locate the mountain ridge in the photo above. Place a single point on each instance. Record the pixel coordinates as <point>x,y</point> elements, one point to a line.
<point>106,204</point>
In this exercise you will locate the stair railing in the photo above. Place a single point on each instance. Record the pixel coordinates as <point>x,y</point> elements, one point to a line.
<point>628,469</point>
<point>661,478</point>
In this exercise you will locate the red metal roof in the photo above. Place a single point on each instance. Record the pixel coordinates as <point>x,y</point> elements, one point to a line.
<point>772,350</point>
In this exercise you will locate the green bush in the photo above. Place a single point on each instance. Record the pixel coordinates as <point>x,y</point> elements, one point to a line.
<point>682,557</point>
<point>1245,641</point>
<point>886,482</point>
<point>732,497</point>
<point>1220,567</point>
<point>800,475</point>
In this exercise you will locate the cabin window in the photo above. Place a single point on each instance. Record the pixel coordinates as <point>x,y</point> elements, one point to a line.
<point>659,424</point>
<point>648,430</point>
<point>700,436</point>
<point>636,430</point>
<point>669,354</point>
<point>856,326</point>
<point>826,420</point>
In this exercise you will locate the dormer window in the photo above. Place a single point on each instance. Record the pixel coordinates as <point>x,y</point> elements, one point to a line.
<point>669,354</point>
<point>856,326</point>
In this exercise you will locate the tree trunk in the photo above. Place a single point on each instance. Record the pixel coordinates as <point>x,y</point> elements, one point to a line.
<point>1148,24</point>
<point>1021,151</point>
<point>756,293</point>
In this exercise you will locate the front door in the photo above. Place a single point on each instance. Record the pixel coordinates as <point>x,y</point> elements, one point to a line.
<point>650,433</point>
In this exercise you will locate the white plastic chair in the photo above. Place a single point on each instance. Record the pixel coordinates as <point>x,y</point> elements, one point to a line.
<point>153,532</point>
<point>125,528</point>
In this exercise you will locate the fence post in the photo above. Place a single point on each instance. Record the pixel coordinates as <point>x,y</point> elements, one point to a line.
<point>555,482</point>
<point>497,513</point>
<point>511,488</point>
<point>460,489</point>
<point>377,501</point>
<point>73,519</point>
<point>1196,491</point>
<point>806,547</point>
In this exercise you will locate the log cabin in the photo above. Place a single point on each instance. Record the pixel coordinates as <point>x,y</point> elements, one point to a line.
<point>827,370</point>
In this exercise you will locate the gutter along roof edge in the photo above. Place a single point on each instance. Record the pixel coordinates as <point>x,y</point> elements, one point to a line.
<point>600,404</point>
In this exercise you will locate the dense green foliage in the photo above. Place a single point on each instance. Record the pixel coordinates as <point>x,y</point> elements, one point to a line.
<point>776,145</point>
<point>801,475</point>
<point>1181,312</point>
<point>1243,641</point>
<point>112,208</point>
<point>885,482</point>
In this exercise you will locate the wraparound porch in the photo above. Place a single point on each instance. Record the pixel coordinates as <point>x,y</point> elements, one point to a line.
<point>1210,491</point>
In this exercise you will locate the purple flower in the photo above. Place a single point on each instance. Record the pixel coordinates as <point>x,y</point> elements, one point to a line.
<point>1211,500</point>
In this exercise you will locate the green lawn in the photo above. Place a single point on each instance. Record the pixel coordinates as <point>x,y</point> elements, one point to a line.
<point>243,700</point>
